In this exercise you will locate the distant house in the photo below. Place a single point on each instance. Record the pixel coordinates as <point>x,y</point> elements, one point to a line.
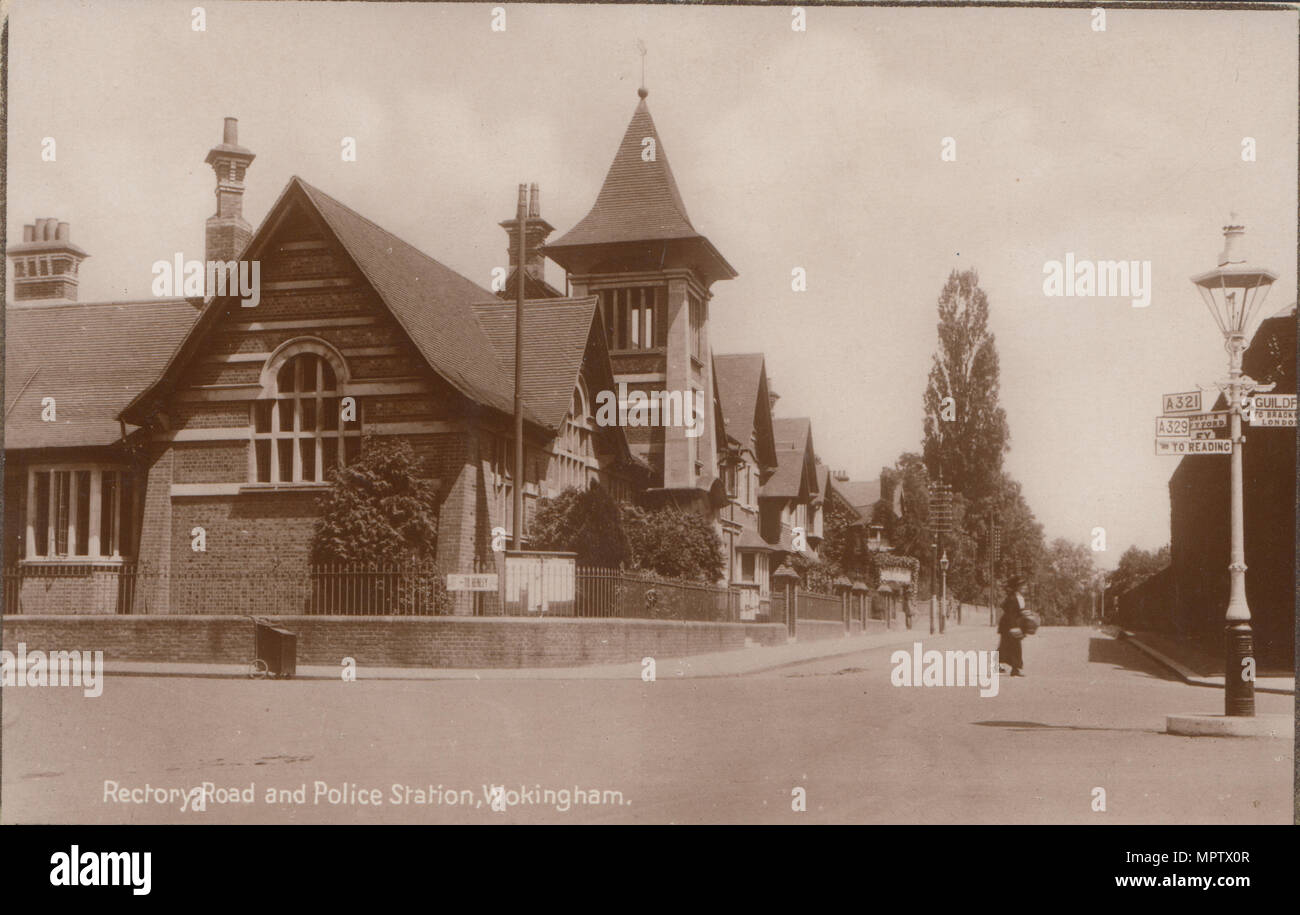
<point>746,461</point>
<point>786,499</point>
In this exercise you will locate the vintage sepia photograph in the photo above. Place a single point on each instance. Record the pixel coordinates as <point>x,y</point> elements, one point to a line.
<point>585,413</point>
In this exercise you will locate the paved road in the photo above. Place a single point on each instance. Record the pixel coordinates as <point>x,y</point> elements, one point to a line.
<point>729,749</point>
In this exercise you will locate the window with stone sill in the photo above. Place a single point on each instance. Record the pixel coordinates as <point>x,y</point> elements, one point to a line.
<point>298,430</point>
<point>78,512</point>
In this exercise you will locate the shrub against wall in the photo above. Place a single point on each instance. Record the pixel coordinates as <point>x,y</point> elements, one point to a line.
<point>587,523</point>
<point>674,543</point>
<point>664,542</point>
<point>382,510</point>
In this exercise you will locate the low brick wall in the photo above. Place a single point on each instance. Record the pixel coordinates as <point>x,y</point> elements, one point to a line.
<point>448,642</point>
<point>815,630</point>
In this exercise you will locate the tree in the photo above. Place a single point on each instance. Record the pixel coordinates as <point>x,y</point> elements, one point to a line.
<point>844,541</point>
<point>588,523</point>
<point>966,433</point>
<point>1135,566</point>
<point>1063,587</point>
<point>1022,539</point>
<point>381,509</point>
<point>673,543</point>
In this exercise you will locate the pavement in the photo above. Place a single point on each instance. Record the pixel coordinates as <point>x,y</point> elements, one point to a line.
<point>824,739</point>
<point>1189,662</point>
<point>748,660</point>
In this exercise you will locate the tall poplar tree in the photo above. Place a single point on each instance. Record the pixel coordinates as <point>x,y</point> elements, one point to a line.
<point>966,433</point>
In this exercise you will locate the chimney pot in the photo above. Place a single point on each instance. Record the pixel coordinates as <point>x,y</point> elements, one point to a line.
<point>51,241</point>
<point>534,202</point>
<point>226,232</point>
<point>1232,233</point>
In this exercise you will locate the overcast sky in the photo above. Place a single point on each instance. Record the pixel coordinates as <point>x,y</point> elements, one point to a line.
<point>818,149</point>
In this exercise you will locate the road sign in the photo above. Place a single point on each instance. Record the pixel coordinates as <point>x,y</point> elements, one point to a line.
<point>1275,402</point>
<point>487,582</point>
<point>1172,427</point>
<point>1209,422</point>
<point>1190,402</point>
<point>1267,418</point>
<point>1179,447</point>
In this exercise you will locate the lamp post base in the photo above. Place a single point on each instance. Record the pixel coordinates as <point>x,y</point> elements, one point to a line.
<point>1239,676</point>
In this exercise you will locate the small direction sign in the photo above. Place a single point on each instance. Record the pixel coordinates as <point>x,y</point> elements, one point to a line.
<point>1209,422</point>
<point>1189,402</point>
<point>1275,402</point>
<point>1172,427</point>
<point>485,582</point>
<point>1268,418</point>
<point>1179,447</point>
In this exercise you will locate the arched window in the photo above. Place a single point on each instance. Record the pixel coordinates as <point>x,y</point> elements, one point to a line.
<point>303,426</point>
<point>575,452</point>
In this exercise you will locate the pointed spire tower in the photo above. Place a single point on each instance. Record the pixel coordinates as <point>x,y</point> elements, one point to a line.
<point>638,251</point>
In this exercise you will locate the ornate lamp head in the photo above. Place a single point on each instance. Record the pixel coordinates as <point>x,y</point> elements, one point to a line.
<point>1234,290</point>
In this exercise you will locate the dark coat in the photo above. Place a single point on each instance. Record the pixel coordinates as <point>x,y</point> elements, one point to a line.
<point>1010,647</point>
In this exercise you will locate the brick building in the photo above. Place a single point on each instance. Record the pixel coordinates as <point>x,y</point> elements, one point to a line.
<point>131,425</point>
<point>203,414</point>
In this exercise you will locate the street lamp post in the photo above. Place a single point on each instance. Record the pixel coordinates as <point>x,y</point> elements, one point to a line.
<point>1233,292</point>
<point>943,565</point>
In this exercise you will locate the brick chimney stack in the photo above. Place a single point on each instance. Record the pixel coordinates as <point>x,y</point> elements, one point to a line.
<point>45,263</point>
<point>227,231</point>
<point>535,235</point>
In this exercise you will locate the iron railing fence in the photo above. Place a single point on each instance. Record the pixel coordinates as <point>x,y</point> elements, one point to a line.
<point>353,589</point>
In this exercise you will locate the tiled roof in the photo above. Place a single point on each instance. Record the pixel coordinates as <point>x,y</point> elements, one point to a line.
<point>431,302</point>
<point>793,443</point>
<point>738,377</point>
<point>741,382</point>
<point>639,200</point>
<point>861,494</point>
<point>555,340</point>
<point>92,358</point>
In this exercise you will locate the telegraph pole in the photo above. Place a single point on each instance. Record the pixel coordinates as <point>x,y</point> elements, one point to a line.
<point>521,216</point>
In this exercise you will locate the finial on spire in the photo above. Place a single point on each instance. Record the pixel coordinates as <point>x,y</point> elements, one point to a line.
<point>642,92</point>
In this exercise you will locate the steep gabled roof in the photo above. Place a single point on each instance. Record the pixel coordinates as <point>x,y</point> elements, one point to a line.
<point>639,204</point>
<point>556,332</point>
<point>92,358</point>
<point>796,460</point>
<point>741,380</point>
<point>431,302</point>
<point>639,200</point>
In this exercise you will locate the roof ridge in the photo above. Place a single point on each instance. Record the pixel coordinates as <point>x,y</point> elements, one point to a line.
<point>315,190</point>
